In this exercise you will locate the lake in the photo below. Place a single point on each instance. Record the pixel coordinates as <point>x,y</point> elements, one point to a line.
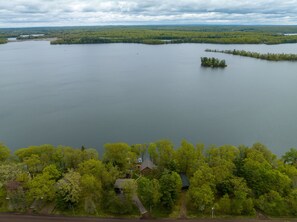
<point>95,94</point>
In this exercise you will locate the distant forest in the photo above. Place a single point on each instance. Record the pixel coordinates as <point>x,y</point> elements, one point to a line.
<point>264,56</point>
<point>224,180</point>
<point>161,34</point>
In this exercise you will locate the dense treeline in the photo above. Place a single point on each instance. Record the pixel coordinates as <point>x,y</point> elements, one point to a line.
<point>2,40</point>
<point>166,36</point>
<point>232,180</point>
<point>162,34</point>
<point>267,56</point>
<point>213,62</point>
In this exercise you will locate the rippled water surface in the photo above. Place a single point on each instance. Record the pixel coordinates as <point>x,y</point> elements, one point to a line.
<point>93,94</point>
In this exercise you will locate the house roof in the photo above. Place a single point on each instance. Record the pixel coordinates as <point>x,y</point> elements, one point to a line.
<point>147,164</point>
<point>185,180</point>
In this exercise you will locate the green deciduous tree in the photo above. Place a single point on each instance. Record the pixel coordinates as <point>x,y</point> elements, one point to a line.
<point>290,157</point>
<point>120,155</point>
<point>201,192</point>
<point>170,187</point>
<point>222,161</point>
<point>272,203</point>
<point>149,191</point>
<point>202,198</point>
<point>42,187</point>
<point>4,152</point>
<point>91,193</point>
<point>188,158</point>
<point>69,189</point>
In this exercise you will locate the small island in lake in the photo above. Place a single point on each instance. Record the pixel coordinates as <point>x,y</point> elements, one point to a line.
<point>213,62</point>
<point>266,56</point>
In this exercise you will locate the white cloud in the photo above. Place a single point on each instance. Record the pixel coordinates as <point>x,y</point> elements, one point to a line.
<point>19,13</point>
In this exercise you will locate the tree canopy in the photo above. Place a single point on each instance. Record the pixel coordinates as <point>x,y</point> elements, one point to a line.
<point>232,180</point>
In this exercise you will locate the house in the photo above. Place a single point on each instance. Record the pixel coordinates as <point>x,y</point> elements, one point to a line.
<point>147,166</point>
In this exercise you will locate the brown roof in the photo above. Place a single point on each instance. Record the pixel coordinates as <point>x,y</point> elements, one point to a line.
<point>147,164</point>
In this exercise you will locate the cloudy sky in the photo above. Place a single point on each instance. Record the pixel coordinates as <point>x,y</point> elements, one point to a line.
<point>27,13</point>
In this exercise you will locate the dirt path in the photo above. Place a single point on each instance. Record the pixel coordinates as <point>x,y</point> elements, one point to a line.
<point>183,208</point>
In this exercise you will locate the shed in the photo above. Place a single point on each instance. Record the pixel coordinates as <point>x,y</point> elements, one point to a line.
<point>185,181</point>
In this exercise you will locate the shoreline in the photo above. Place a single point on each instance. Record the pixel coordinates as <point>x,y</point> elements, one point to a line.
<point>25,40</point>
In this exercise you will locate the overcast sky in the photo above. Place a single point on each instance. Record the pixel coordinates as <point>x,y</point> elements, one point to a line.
<point>27,13</point>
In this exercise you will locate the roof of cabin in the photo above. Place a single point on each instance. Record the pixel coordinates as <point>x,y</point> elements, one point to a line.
<point>147,164</point>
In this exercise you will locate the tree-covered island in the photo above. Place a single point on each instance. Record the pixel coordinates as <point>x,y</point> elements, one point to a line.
<point>155,179</point>
<point>266,56</point>
<point>213,62</point>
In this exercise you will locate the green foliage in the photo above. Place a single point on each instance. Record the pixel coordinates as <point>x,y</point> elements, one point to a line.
<point>52,171</point>
<point>234,180</point>
<point>261,177</point>
<point>4,152</point>
<point>91,193</point>
<point>139,149</point>
<point>120,155</point>
<point>152,151</point>
<point>149,192</point>
<point>69,189</point>
<point>224,205</point>
<point>188,158</point>
<point>201,194</point>
<point>41,187</point>
<point>118,205</point>
<point>3,41</point>
<point>221,160</point>
<point>292,202</point>
<point>9,172</point>
<point>164,154</point>
<point>213,62</point>
<point>175,34</point>
<point>272,203</point>
<point>170,186</point>
<point>267,56</point>
<point>159,34</point>
<point>290,157</point>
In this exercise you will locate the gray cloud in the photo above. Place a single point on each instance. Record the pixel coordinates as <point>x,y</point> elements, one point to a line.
<point>18,13</point>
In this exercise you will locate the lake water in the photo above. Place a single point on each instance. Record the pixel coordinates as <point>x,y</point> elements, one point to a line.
<point>94,94</point>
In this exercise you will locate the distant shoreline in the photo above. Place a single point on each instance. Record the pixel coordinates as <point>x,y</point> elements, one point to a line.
<point>25,40</point>
<point>158,35</point>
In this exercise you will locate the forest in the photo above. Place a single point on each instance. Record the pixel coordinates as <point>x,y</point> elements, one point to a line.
<point>266,56</point>
<point>213,62</point>
<point>2,40</point>
<point>161,34</point>
<point>228,180</point>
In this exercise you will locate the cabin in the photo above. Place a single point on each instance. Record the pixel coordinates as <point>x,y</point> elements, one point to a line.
<point>147,166</point>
